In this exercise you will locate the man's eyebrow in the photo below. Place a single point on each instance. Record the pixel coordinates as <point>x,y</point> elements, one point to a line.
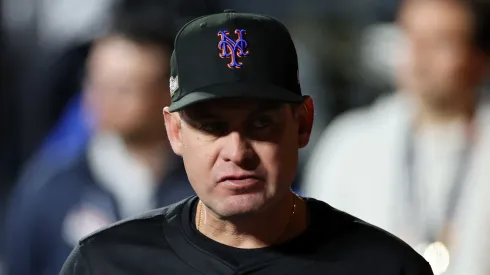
<point>268,106</point>
<point>200,114</point>
<point>206,116</point>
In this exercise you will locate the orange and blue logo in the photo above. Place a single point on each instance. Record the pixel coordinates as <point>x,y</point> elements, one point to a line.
<point>233,49</point>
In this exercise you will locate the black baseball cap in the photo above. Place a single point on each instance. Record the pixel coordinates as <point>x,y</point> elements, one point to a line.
<point>233,55</point>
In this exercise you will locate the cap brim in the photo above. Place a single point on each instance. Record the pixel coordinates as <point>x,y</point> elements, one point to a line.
<point>237,90</point>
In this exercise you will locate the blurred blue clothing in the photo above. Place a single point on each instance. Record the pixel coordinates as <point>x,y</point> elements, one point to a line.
<point>71,133</point>
<point>43,226</point>
<point>66,142</point>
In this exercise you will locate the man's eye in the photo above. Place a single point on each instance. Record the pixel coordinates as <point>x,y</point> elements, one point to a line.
<point>261,123</point>
<point>212,128</point>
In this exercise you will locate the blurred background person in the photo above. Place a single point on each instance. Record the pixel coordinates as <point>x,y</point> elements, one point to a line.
<point>126,166</point>
<point>416,163</point>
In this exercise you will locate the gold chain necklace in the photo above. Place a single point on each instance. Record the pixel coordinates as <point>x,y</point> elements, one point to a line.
<point>293,211</point>
<point>199,219</point>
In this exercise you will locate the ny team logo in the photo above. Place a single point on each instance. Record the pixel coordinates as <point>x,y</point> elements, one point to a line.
<point>233,49</point>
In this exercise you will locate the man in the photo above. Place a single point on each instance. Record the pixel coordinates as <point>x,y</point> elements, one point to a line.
<point>416,164</point>
<point>237,119</point>
<point>127,168</point>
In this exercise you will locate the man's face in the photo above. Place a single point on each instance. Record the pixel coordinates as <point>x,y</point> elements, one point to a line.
<point>128,86</point>
<point>240,155</point>
<point>442,60</point>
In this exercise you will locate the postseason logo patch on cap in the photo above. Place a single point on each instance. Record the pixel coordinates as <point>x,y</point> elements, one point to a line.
<point>174,84</point>
<point>233,49</point>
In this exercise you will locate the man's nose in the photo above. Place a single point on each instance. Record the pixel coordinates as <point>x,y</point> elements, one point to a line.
<point>237,149</point>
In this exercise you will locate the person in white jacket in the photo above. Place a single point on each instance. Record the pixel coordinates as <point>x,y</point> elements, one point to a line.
<point>417,163</point>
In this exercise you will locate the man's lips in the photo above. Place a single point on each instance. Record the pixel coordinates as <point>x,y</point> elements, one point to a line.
<point>238,177</point>
<point>240,182</point>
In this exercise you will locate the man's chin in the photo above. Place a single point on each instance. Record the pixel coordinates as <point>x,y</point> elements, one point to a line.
<point>241,206</point>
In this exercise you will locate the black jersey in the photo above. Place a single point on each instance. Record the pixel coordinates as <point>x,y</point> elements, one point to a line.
<point>165,241</point>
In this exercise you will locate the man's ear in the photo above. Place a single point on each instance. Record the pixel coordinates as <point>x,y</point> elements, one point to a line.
<point>174,131</point>
<point>305,117</point>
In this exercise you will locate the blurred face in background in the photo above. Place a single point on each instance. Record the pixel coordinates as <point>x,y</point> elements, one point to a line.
<point>442,62</point>
<point>127,87</point>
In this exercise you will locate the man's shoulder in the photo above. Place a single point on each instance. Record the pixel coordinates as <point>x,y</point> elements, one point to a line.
<point>357,240</point>
<point>137,229</point>
<point>135,243</point>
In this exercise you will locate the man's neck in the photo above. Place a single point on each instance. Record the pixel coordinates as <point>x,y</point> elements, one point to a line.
<point>429,116</point>
<point>276,225</point>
